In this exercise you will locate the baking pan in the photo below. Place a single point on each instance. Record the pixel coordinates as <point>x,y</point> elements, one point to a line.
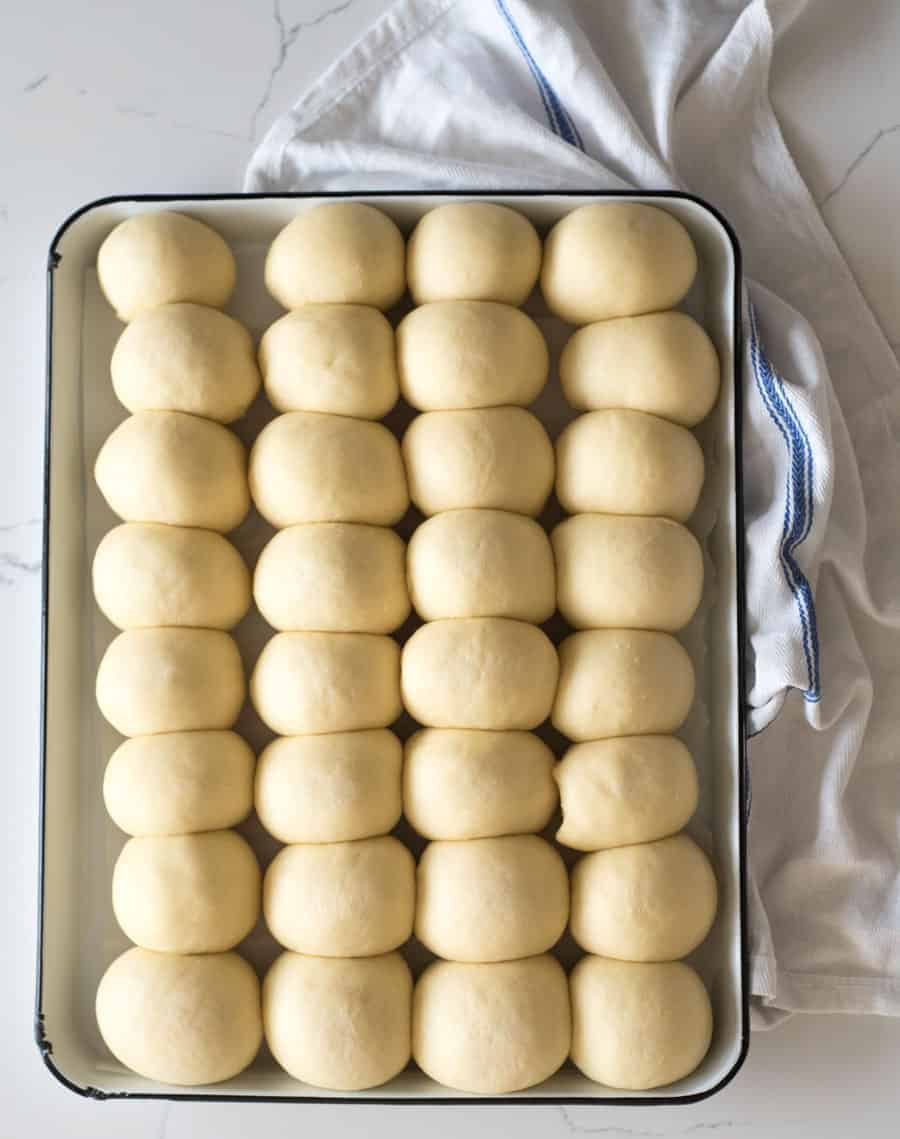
<point>78,936</point>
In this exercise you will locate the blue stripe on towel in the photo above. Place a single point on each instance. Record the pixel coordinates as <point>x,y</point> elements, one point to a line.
<point>798,506</point>
<point>559,118</point>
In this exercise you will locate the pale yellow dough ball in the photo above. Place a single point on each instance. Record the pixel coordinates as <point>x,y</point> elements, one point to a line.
<point>193,893</point>
<point>461,784</point>
<point>463,354</point>
<point>615,571</point>
<point>497,458</point>
<point>331,358</point>
<point>344,1025</point>
<point>491,1029</point>
<point>612,259</point>
<point>179,783</point>
<point>309,683</point>
<point>481,563</point>
<point>343,899</point>
<point>163,257</point>
<point>662,363</point>
<point>337,253</point>
<point>638,1026</point>
<point>181,470</point>
<point>186,357</point>
<point>308,467</point>
<point>473,251</point>
<point>170,680</point>
<point>622,682</point>
<point>330,788</point>
<point>182,1020</point>
<point>148,575</point>
<point>655,901</point>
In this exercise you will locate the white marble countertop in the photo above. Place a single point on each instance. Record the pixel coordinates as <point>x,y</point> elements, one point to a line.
<point>108,98</point>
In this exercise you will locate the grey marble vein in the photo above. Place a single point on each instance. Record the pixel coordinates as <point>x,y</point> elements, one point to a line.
<point>883,132</point>
<point>176,124</point>
<point>9,527</point>
<point>35,83</point>
<point>691,1129</point>
<point>12,567</point>
<point>287,37</point>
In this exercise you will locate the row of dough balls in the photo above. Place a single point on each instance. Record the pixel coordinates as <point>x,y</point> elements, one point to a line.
<point>479,1028</point>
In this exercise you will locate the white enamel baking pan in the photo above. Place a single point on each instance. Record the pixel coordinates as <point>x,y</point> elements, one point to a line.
<point>78,936</point>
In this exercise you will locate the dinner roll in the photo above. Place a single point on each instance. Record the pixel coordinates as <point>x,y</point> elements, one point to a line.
<point>491,1029</point>
<point>341,899</point>
<point>307,467</point>
<point>192,893</point>
<point>186,357</point>
<point>499,458</point>
<point>179,783</point>
<point>491,899</point>
<point>638,1026</point>
<point>622,682</point>
<point>619,572</point>
<point>652,902</point>
<point>481,563</point>
<point>337,358</point>
<point>614,259</point>
<point>331,788</point>
<point>458,354</point>
<point>662,363</point>
<point>338,253</point>
<point>627,462</point>
<point>308,683</point>
<point>344,1025</point>
<point>479,672</point>
<point>170,680</point>
<point>164,466</point>
<point>622,791</point>
<point>180,1020</point>
<point>146,574</point>
<point>161,257</point>
<point>333,577</point>
<point>473,251</point>
<point>460,784</point>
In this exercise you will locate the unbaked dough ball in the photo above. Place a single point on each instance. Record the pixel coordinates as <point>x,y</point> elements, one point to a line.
<point>307,467</point>
<point>662,363</point>
<point>616,259</point>
<point>491,899</point>
<point>179,783</point>
<point>460,784</point>
<point>186,357</point>
<point>162,257</point>
<point>193,893</point>
<point>638,1026</point>
<point>473,251</point>
<point>634,573</point>
<point>479,672</point>
<point>309,683</point>
<point>622,682</point>
<point>481,563</point>
<point>170,680</point>
<point>622,791</point>
<point>491,1029</point>
<point>652,902</point>
<point>499,458</point>
<point>458,354</point>
<point>626,462</point>
<point>337,358</point>
<point>333,577</point>
<point>331,788</point>
<point>337,253</point>
<point>180,1020</point>
<point>165,466</point>
<point>342,899</point>
<point>344,1025</point>
<point>146,574</point>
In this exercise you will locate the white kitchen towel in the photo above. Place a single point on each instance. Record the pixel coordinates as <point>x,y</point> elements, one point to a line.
<point>499,94</point>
